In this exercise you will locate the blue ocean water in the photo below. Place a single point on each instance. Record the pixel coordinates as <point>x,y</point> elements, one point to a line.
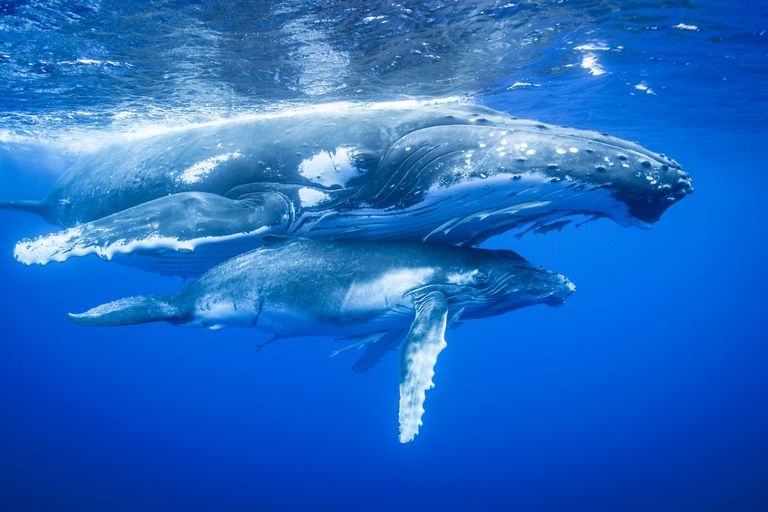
<point>645,392</point>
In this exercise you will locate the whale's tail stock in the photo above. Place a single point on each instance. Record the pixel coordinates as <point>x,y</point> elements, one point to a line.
<point>37,207</point>
<point>130,310</point>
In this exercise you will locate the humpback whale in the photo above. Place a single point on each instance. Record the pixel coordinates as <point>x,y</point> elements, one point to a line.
<point>380,295</point>
<point>180,202</point>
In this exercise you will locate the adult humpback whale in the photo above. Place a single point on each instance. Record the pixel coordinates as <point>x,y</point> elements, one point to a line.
<point>380,294</point>
<point>180,202</point>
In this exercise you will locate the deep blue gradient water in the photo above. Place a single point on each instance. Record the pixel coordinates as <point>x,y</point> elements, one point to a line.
<point>647,391</point>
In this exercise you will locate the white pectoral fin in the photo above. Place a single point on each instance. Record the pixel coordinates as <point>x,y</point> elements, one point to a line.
<point>422,345</point>
<point>130,310</point>
<point>177,222</point>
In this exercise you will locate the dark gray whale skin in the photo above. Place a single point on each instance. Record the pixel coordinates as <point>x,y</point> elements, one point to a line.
<point>180,202</point>
<point>381,294</point>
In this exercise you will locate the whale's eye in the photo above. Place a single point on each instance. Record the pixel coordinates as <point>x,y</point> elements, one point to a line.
<point>481,278</point>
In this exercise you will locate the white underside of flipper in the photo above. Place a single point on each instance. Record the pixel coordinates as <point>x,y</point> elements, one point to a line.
<point>180,223</point>
<point>74,242</point>
<point>424,342</point>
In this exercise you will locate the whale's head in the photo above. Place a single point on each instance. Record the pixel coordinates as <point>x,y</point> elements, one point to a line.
<point>499,281</point>
<point>638,185</point>
<point>518,173</point>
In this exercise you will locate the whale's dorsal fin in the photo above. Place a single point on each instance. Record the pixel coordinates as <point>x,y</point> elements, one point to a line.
<point>425,340</point>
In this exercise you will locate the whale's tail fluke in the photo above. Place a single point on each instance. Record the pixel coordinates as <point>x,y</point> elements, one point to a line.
<point>130,310</point>
<point>37,207</point>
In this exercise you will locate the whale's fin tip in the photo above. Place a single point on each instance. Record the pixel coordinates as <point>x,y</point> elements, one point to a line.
<point>127,311</point>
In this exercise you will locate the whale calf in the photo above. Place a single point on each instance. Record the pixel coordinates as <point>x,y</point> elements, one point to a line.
<point>380,295</point>
<point>180,202</point>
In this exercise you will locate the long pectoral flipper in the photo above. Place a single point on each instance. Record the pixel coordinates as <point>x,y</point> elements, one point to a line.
<point>418,357</point>
<point>176,222</point>
<point>25,206</point>
<point>130,310</point>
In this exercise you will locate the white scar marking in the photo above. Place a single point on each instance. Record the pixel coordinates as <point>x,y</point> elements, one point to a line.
<point>462,278</point>
<point>195,173</point>
<point>311,197</point>
<point>330,169</point>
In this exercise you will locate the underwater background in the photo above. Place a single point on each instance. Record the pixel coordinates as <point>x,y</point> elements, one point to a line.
<point>647,391</point>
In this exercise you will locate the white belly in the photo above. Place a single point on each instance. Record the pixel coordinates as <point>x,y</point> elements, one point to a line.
<point>368,305</point>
